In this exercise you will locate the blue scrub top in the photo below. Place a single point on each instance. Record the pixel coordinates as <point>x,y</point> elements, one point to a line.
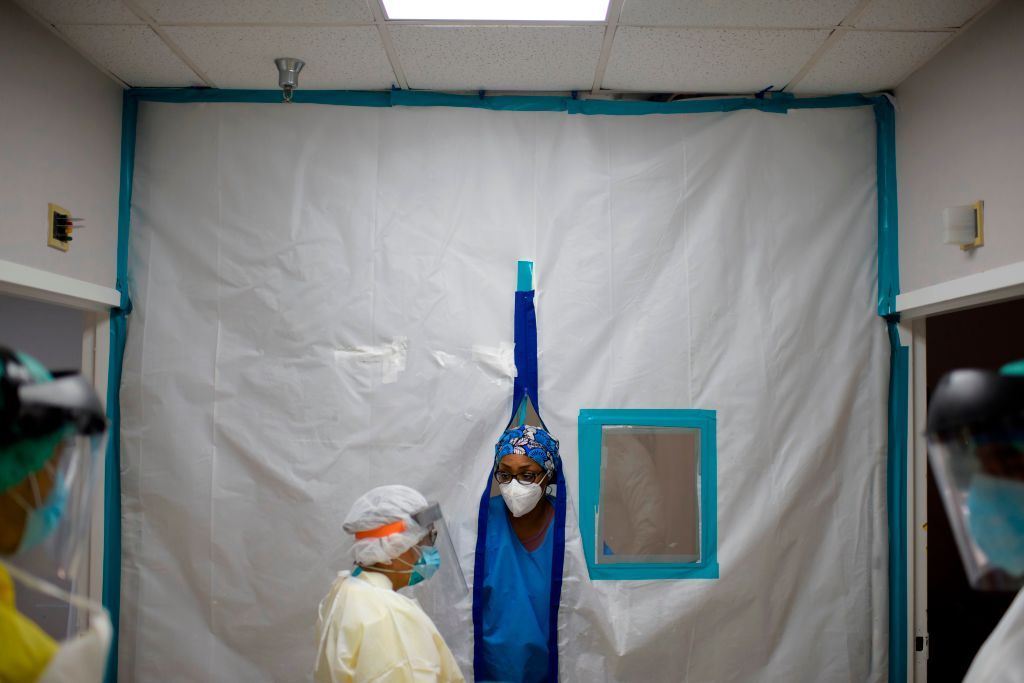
<point>516,598</point>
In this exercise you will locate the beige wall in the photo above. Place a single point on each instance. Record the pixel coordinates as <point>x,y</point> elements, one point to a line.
<point>60,138</point>
<point>960,138</point>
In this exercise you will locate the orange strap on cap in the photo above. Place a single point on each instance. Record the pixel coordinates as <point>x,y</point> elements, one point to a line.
<point>383,531</point>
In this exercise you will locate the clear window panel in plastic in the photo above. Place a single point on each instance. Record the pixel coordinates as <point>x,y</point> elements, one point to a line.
<point>649,508</point>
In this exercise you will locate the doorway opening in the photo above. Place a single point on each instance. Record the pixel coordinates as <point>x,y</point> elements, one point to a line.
<point>960,619</point>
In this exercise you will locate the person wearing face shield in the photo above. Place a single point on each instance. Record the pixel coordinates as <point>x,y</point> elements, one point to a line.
<point>976,448</point>
<point>51,436</point>
<point>518,562</point>
<point>367,630</point>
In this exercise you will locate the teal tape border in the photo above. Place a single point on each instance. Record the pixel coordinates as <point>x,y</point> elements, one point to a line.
<point>590,423</point>
<point>896,499</point>
<point>118,339</point>
<point>888,264</point>
<point>780,103</point>
<point>888,219</point>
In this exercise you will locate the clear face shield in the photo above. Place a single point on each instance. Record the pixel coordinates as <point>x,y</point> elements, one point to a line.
<point>449,579</point>
<point>448,586</point>
<point>981,480</point>
<point>56,505</point>
<point>977,457</point>
<point>56,428</point>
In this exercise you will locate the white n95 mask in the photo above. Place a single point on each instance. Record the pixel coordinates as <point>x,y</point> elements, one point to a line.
<point>520,498</point>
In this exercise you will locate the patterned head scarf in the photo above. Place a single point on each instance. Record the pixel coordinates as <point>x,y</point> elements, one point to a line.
<point>533,442</point>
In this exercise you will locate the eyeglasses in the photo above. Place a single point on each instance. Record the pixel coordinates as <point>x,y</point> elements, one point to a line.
<point>430,538</point>
<point>503,477</point>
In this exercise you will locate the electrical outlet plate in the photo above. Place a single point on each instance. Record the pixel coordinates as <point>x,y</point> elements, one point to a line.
<point>50,239</point>
<point>979,233</point>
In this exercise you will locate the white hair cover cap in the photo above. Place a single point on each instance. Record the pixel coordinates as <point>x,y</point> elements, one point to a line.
<point>380,507</point>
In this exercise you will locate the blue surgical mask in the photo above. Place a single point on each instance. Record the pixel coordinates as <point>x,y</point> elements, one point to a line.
<point>996,520</point>
<point>43,520</point>
<point>426,566</point>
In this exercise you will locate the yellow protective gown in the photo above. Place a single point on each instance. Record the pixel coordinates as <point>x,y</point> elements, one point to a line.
<point>368,632</point>
<point>25,650</point>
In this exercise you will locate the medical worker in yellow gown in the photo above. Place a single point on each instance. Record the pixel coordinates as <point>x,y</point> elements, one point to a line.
<point>367,630</point>
<point>51,435</point>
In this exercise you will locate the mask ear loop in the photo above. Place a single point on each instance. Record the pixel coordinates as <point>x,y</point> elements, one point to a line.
<point>549,482</point>
<point>20,501</point>
<point>35,489</point>
<point>410,570</point>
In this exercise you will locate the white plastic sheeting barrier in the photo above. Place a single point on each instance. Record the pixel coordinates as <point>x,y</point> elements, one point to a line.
<point>323,303</point>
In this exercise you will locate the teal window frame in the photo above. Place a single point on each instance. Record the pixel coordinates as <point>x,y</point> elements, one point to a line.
<point>591,423</point>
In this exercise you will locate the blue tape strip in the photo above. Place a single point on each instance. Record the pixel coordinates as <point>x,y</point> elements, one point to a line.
<point>524,281</point>
<point>407,98</point>
<point>888,289</point>
<point>777,103</point>
<point>557,567</point>
<point>479,567</point>
<point>129,121</point>
<point>525,384</point>
<point>888,217</point>
<point>118,339</point>
<point>896,497</point>
<point>112,489</point>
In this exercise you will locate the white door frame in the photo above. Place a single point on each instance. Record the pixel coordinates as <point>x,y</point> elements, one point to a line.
<point>95,302</point>
<point>988,287</point>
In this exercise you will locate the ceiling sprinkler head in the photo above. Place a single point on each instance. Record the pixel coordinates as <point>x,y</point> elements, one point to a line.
<point>288,69</point>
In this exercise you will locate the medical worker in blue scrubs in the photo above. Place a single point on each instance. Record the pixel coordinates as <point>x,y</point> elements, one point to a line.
<point>518,564</point>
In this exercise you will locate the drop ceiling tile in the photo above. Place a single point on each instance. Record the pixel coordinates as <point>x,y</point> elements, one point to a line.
<point>713,61</point>
<point>737,13</point>
<point>919,15</point>
<point>340,57</point>
<point>867,61</point>
<point>134,54</point>
<point>257,11</point>
<point>82,11</point>
<point>499,57</point>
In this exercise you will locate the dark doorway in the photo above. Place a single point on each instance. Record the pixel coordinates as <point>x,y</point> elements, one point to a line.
<point>52,335</point>
<point>959,618</point>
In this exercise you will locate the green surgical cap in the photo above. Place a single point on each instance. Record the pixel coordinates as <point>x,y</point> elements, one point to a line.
<point>1014,369</point>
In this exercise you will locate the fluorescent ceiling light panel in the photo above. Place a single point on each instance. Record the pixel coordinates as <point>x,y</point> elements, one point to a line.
<point>497,10</point>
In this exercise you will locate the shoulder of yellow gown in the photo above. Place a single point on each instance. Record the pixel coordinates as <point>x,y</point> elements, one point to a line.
<point>6,588</point>
<point>25,649</point>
